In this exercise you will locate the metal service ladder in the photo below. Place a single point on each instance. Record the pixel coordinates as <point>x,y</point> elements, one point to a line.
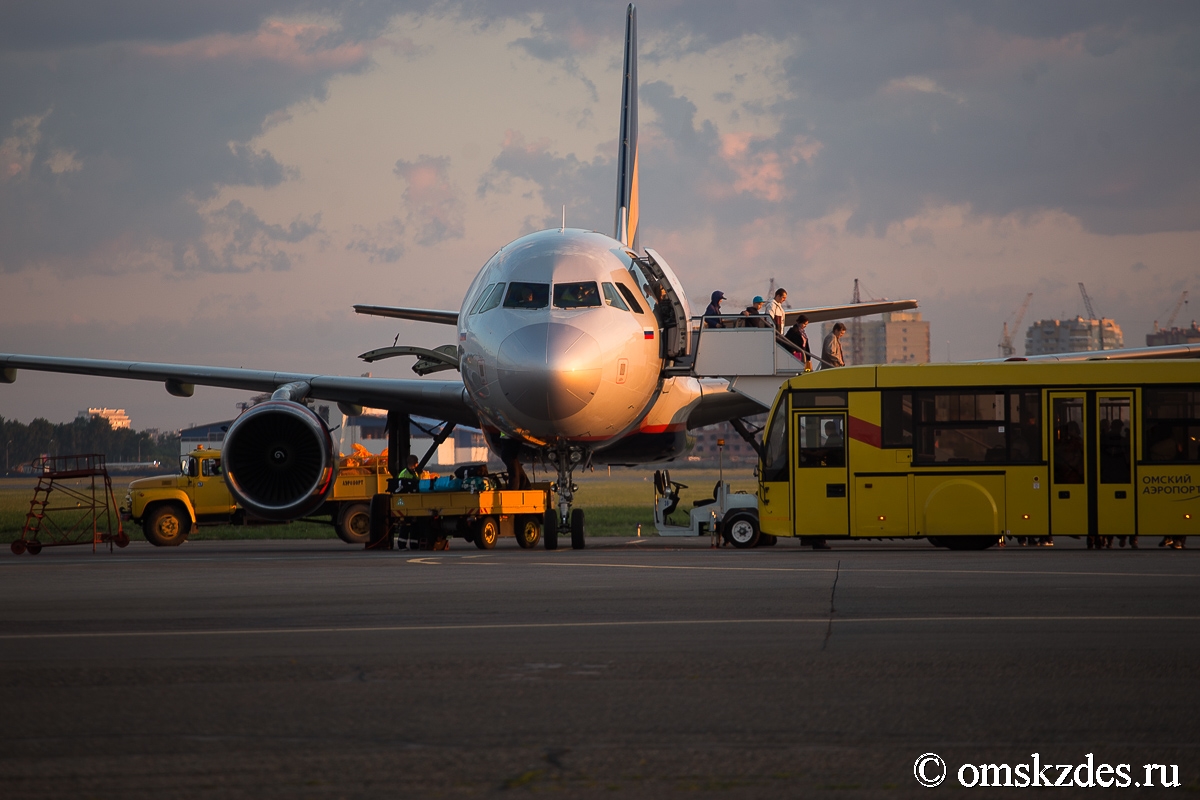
<point>85,513</point>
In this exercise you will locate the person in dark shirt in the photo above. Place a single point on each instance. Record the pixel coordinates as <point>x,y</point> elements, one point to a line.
<point>714,310</point>
<point>799,337</point>
<point>753,315</point>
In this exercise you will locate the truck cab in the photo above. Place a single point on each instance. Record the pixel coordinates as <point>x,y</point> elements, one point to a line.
<point>168,507</point>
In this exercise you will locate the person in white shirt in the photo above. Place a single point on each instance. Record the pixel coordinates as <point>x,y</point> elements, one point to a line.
<point>776,311</point>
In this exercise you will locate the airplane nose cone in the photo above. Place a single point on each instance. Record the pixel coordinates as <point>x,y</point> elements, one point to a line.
<point>549,371</point>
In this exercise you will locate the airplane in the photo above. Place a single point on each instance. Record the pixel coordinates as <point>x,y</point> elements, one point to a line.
<point>573,349</point>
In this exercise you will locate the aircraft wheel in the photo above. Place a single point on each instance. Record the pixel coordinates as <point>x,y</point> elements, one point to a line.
<point>577,542</point>
<point>18,547</point>
<point>528,532</point>
<point>354,523</point>
<point>486,531</point>
<point>741,530</point>
<point>167,525</point>
<point>550,530</point>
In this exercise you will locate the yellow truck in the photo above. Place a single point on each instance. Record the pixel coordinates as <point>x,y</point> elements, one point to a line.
<point>169,507</point>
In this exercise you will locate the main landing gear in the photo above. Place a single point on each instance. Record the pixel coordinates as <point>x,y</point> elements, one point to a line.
<point>565,519</point>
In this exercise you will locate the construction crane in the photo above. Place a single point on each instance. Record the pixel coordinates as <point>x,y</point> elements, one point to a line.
<point>1174,313</point>
<point>1087,303</point>
<point>1006,346</point>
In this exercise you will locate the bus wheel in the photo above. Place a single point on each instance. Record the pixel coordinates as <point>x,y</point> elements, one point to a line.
<point>486,531</point>
<point>167,526</point>
<point>741,530</point>
<point>528,532</point>
<point>354,523</point>
<point>550,530</point>
<point>577,541</point>
<point>967,542</point>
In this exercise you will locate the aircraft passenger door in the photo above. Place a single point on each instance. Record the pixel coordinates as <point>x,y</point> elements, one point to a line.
<point>1116,514</point>
<point>819,475</point>
<point>1068,464</point>
<point>672,306</point>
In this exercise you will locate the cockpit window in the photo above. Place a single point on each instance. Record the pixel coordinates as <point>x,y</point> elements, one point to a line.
<point>479,300</point>
<point>576,295</point>
<point>527,295</point>
<point>611,298</point>
<point>629,295</point>
<point>493,298</point>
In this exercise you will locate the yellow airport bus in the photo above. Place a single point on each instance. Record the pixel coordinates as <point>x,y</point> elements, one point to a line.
<point>966,453</point>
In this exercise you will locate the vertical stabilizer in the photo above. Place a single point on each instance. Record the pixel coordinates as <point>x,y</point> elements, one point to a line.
<point>627,144</point>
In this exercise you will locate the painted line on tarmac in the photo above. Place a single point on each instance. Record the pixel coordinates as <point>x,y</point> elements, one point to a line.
<point>851,568</point>
<point>517,626</point>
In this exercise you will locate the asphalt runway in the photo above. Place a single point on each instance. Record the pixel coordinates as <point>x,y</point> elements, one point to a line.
<point>637,668</point>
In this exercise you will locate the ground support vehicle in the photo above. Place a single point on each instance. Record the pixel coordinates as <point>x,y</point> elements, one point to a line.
<point>965,454</point>
<point>731,515</point>
<point>169,507</point>
<point>428,520</point>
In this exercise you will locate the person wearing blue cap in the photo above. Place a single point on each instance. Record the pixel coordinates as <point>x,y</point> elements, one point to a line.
<point>754,312</point>
<point>712,314</point>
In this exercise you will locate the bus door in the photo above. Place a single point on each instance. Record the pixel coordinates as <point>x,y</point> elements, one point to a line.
<point>819,476</point>
<point>1116,514</point>
<point>1068,464</point>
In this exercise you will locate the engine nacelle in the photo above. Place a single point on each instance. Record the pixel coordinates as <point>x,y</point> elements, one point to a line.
<point>279,460</point>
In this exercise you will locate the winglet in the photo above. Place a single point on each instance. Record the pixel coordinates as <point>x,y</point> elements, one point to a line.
<point>626,227</point>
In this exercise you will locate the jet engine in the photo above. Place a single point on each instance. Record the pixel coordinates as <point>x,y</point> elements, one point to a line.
<point>278,458</point>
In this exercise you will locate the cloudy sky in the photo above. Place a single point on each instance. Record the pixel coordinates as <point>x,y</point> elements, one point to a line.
<point>219,182</point>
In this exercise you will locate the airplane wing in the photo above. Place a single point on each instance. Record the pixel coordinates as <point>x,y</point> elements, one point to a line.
<point>853,310</point>
<point>418,314</point>
<point>444,400</point>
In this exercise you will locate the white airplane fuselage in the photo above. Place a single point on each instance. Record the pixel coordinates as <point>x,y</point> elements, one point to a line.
<point>558,342</point>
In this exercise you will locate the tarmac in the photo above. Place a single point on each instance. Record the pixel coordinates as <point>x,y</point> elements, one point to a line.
<point>637,667</point>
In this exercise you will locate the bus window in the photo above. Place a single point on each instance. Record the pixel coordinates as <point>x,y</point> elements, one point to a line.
<point>897,412</point>
<point>818,399</point>
<point>1114,440</point>
<point>1068,440</point>
<point>1025,427</point>
<point>819,441</point>
<point>960,427</point>
<point>775,460</point>
<point>1171,425</point>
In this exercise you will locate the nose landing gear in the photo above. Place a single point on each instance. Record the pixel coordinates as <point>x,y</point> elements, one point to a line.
<point>565,519</point>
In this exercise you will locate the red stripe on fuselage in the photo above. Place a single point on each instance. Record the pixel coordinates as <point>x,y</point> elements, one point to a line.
<point>865,432</point>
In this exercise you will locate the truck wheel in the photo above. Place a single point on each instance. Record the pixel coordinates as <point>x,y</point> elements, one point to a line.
<point>486,532</point>
<point>741,530</point>
<point>550,535</point>
<point>354,523</point>
<point>167,526</point>
<point>577,542</point>
<point>767,540</point>
<point>528,532</point>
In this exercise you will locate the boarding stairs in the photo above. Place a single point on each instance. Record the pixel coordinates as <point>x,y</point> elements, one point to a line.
<point>84,509</point>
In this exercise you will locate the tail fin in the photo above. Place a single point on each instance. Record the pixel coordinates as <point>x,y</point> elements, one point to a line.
<point>627,145</point>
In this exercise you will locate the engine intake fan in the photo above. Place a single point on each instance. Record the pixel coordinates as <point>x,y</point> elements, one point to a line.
<point>279,460</point>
